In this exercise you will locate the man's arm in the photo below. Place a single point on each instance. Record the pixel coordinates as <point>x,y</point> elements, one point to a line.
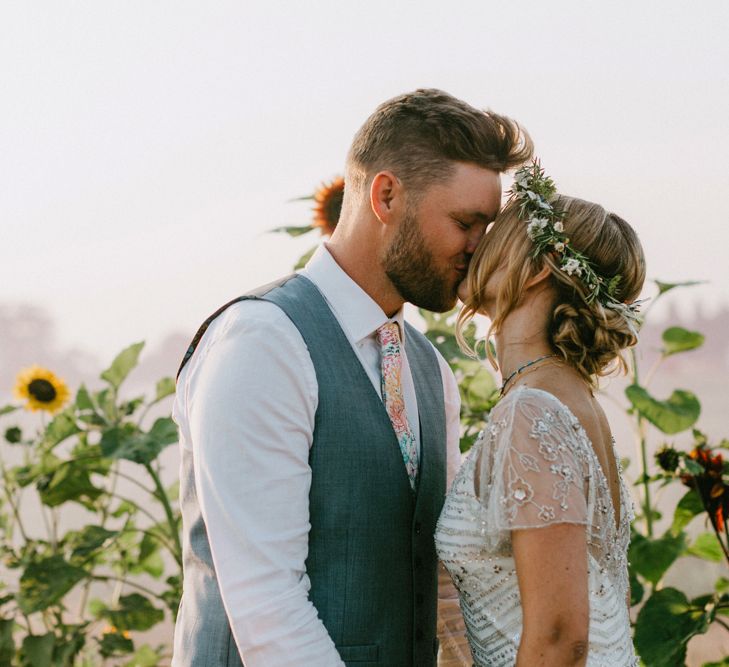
<point>251,402</point>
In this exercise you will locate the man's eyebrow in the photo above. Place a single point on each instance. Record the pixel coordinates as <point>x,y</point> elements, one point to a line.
<point>478,216</point>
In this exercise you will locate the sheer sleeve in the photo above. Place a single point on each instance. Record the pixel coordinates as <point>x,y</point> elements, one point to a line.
<point>532,470</point>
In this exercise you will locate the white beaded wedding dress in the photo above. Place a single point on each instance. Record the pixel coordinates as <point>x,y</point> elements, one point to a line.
<point>533,466</point>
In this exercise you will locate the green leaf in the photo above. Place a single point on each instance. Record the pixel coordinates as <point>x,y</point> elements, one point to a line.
<point>115,644</point>
<point>637,591</point>
<point>96,607</point>
<point>126,442</point>
<point>63,426</point>
<point>722,663</point>
<point>707,546</point>
<point>674,415</point>
<point>478,391</point>
<point>149,559</point>
<point>722,585</point>
<point>134,612</point>
<point>87,540</point>
<point>678,339</point>
<point>667,287</point>
<point>128,408</point>
<point>652,557</point>
<point>70,646</point>
<point>83,399</point>
<point>165,388</point>
<point>305,258</point>
<point>125,507</point>
<point>45,582</point>
<point>297,230</point>
<point>105,400</point>
<point>7,409</point>
<point>122,365</point>
<point>70,481</point>
<point>664,627</point>
<point>467,441</point>
<point>38,650</point>
<point>7,643</point>
<point>164,431</point>
<point>145,656</point>
<point>688,507</point>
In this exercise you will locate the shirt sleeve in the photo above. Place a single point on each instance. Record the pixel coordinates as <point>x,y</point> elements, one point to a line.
<point>251,402</point>
<point>533,471</point>
<point>452,401</point>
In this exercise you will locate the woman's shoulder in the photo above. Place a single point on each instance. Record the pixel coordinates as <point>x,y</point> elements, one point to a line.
<point>532,397</point>
<point>539,412</point>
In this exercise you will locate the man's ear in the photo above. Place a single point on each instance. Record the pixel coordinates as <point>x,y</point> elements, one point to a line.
<point>539,278</point>
<point>385,195</point>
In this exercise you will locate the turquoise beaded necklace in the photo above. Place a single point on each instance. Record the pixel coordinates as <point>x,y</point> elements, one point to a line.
<point>522,368</point>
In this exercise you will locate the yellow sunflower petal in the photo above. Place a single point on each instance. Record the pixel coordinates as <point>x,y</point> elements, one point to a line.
<point>41,389</point>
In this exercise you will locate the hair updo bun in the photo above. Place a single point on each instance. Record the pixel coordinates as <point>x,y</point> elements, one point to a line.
<point>588,336</point>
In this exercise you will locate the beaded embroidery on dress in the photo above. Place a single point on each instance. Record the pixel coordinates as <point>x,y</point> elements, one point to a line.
<point>533,466</point>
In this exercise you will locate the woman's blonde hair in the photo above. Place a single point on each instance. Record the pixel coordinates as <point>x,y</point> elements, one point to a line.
<point>587,336</point>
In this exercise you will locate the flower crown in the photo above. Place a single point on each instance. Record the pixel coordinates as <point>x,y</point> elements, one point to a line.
<point>534,191</point>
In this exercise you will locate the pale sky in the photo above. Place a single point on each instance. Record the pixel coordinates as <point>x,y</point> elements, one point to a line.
<point>146,147</point>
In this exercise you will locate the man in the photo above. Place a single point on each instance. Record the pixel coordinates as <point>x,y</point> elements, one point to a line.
<point>316,427</point>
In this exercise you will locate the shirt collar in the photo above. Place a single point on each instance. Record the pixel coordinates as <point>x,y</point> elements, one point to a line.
<point>357,313</point>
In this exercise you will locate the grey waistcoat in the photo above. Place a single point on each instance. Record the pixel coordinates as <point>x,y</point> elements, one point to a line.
<point>372,560</point>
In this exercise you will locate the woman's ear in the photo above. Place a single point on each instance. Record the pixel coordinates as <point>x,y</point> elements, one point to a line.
<point>385,192</point>
<point>539,278</point>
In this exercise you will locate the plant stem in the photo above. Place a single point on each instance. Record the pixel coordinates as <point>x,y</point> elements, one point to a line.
<point>156,536</point>
<point>139,587</point>
<point>647,506</point>
<point>139,508</point>
<point>721,623</point>
<point>134,481</point>
<point>652,371</point>
<point>13,506</point>
<point>162,496</point>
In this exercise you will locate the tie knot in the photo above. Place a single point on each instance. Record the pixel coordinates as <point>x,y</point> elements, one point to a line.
<point>388,334</point>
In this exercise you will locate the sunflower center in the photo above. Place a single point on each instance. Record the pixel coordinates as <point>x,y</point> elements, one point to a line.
<point>42,390</point>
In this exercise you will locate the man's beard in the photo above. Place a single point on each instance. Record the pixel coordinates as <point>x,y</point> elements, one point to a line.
<point>411,268</point>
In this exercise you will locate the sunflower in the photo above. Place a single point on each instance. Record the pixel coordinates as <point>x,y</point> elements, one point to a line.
<point>41,389</point>
<point>328,206</point>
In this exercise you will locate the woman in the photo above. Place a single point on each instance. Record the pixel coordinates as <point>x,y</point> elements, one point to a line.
<point>535,528</point>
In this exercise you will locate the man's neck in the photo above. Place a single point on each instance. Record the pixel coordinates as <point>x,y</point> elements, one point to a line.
<point>364,269</point>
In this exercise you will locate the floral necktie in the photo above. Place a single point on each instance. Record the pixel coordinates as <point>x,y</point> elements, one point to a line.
<point>388,336</point>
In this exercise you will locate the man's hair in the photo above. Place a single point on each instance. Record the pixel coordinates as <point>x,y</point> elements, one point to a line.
<point>420,135</point>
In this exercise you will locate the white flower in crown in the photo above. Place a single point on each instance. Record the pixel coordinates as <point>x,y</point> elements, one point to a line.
<point>558,227</point>
<point>559,246</point>
<point>521,179</point>
<point>572,266</point>
<point>535,226</point>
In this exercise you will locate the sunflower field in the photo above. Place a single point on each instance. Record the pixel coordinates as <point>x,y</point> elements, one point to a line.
<point>90,594</point>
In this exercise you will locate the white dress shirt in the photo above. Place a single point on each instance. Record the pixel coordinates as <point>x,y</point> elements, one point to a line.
<point>245,406</point>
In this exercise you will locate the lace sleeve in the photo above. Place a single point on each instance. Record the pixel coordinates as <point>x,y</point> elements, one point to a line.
<point>534,473</point>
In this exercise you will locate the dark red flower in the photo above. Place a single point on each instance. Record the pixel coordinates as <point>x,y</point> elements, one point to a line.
<point>329,198</point>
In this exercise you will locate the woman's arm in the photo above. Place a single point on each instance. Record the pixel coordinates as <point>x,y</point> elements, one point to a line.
<point>551,567</point>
